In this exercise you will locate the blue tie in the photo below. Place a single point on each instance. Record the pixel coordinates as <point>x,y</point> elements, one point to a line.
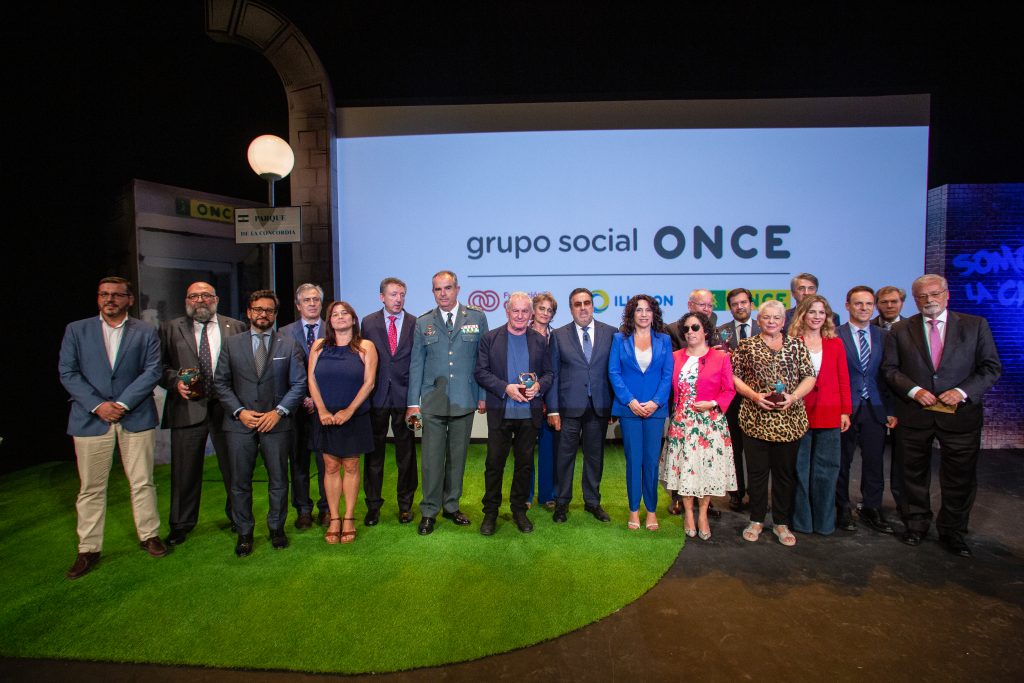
<point>588,347</point>
<point>865,358</point>
<point>310,337</point>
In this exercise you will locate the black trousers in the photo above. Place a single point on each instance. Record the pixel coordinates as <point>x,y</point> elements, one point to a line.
<point>188,454</point>
<point>405,459</point>
<point>866,432</point>
<point>590,429</point>
<point>778,459</point>
<point>298,461</point>
<point>958,480</point>
<point>732,416</point>
<point>521,437</point>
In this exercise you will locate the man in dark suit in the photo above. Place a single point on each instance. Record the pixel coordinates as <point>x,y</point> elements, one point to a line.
<point>580,402</point>
<point>444,391</point>
<point>889,300</point>
<point>391,331</point>
<point>700,300</point>
<point>192,412</point>
<point>109,365</point>
<point>515,412</point>
<point>939,365</point>
<point>742,326</point>
<point>309,301</point>
<point>872,414</point>
<point>261,381</point>
<point>802,285</point>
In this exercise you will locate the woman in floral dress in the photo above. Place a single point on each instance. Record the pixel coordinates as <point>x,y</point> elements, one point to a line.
<point>697,461</point>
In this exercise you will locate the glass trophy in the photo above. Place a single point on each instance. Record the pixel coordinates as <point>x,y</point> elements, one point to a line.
<point>414,422</point>
<point>192,379</point>
<point>528,379</point>
<point>776,396</point>
<point>724,335</point>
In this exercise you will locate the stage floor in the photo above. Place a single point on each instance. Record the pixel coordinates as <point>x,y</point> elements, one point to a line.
<point>857,605</point>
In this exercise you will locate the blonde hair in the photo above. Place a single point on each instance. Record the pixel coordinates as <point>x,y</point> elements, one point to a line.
<point>797,326</point>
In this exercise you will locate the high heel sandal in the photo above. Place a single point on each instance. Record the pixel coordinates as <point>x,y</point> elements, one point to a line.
<point>753,531</point>
<point>349,536</point>
<point>332,537</point>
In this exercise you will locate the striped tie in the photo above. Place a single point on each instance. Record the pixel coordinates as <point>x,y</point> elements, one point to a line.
<point>865,358</point>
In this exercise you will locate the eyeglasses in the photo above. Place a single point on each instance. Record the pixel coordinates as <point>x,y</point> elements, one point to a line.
<point>696,327</point>
<point>259,309</point>
<point>704,306</point>
<point>925,296</point>
<point>205,296</point>
<point>113,295</point>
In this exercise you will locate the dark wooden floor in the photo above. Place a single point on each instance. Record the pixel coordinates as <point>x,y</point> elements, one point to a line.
<point>855,606</point>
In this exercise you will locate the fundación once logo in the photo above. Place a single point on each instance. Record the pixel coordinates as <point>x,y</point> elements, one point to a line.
<point>486,299</point>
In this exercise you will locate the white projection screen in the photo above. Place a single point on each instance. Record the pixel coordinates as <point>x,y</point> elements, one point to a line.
<point>656,197</point>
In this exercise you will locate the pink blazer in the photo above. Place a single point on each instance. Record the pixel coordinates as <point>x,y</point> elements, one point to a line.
<point>714,377</point>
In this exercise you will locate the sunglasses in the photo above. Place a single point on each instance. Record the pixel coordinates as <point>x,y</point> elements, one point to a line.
<point>696,327</point>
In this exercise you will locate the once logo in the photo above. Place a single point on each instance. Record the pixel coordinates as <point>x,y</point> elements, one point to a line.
<point>487,299</point>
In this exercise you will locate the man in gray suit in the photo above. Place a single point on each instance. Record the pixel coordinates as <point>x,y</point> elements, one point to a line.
<point>192,412</point>
<point>444,391</point>
<point>109,365</point>
<point>261,381</point>
<point>742,326</point>
<point>580,402</point>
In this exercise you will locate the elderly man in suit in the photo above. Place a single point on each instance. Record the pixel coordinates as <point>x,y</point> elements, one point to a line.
<point>742,326</point>
<point>192,412</point>
<point>261,381</point>
<point>580,402</point>
<point>515,411</point>
<point>309,301</point>
<point>444,391</point>
<point>939,365</point>
<point>110,364</point>
<point>700,300</point>
<point>391,331</point>
<point>872,413</point>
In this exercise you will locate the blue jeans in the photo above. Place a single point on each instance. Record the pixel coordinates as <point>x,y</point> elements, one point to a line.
<point>817,469</point>
<point>641,438</point>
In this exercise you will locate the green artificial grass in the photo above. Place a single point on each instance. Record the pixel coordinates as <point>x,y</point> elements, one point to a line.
<point>390,601</point>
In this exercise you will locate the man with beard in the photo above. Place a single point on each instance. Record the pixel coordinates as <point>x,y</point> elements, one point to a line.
<point>192,412</point>
<point>261,381</point>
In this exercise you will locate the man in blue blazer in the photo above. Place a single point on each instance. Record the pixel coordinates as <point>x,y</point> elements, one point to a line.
<point>580,401</point>
<point>515,412</point>
<point>309,301</point>
<point>110,364</point>
<point>872,413</point>
<point>260,381</point>
<point>391,331</point>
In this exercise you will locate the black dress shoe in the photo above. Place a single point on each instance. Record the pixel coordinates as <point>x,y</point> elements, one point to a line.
<point>278,539</point>
<point>457,517</point>
<point>84,564</point>
<point>244,546</point>
<point>523,522</point>
<point>676,507</point>
<point>426,526</point>
<point>487,526</point>
<point>324,518</point>
<point>735,502</point>
<point>598,512</point>
<point>154,546</point>
<point>304,521</point>
<point>955,545</point>
<point>372,517</point>
<point>561,514</point>
<point>911,537</point>
<point>714,513</point>
<point>176,537</point>
<point>405,516</point>
<point>876,520</point>
<point>844,520</point>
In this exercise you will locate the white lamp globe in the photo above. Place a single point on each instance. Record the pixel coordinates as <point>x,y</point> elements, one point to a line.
<point>270,157</point>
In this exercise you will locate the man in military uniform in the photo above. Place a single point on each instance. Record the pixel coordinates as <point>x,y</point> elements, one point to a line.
<point>443,390</point>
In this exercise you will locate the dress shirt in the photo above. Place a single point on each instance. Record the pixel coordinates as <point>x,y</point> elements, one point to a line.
<point>212,338</point>
<point>590,331</point>
<point>855,331</point>
<point>316,329</point>
<point>112,336</point>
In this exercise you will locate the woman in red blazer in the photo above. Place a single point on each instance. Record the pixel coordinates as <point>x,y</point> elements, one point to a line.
<point>828,414</point>
<point>697,461</point>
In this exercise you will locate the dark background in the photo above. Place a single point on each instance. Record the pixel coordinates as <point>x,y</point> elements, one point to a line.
<point>96,97</point>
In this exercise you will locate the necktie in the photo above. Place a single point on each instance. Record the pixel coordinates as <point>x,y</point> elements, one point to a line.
<point>743,330</point>
<point>205,361</point>
<point>935,343</point>
<point>588,347</point>
<point>310,337</point>
<point>261,354</point>
<point>450,325</point>
<point>865,358</point>
<point>888,326</point>
<point>392,334</point>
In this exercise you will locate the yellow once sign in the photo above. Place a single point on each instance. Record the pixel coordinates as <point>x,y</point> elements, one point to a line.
<point>197,208</point>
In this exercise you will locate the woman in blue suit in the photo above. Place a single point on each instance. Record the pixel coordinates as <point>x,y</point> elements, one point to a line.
<point>640,371</point>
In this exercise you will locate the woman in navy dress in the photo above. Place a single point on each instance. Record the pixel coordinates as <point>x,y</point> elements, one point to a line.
<point>342,368</point>
<point>544,307</point>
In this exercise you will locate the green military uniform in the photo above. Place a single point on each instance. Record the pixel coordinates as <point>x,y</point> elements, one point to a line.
<point>442,384</point>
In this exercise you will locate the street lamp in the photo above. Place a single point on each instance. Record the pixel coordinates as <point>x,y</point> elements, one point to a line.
<point>272,159</point>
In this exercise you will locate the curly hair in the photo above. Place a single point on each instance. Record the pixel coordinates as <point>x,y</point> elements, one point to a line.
<point>797,324</point>
<point>329,337</point>
<point>628,326</point>
<point>705,322</point>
